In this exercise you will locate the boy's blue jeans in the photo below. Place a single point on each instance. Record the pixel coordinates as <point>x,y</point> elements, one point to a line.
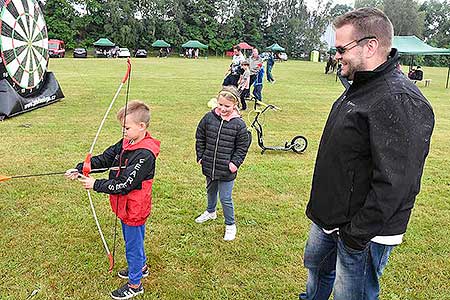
<point>134,251</point>
<point>224,188</point>
<point>257,92</point>
<point>354,274</point>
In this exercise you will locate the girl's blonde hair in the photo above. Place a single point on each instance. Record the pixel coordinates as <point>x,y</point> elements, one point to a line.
<point>230,93</point>
<point>139,110</point>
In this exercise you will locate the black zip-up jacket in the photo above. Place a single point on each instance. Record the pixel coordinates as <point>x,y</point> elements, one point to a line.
<point>219,142</point>
<point>119,180</point>
<point>371,156</point>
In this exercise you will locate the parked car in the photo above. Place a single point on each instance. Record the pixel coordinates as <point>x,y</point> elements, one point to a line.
<point>56,48</point>
<point>124,52</point>
<point>140,53</point>
<point>80,53</point>
<point>282,56</point>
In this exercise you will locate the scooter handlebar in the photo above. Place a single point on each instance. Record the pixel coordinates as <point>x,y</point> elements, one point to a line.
<point>274,107</point>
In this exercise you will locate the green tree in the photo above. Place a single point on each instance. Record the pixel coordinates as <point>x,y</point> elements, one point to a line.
<point>297,28</point>
<point>405,16</point>
<point>436,29</point>
<point>338,10</point>
<point>249,11</point>
<point>200,19</point>
<point>60,18</point>
<point>90,25</point>
<point>171,22</point>
<point>369,3</point>
<point>318,19</point>
<point>229,25</point>
<point>436,22</point>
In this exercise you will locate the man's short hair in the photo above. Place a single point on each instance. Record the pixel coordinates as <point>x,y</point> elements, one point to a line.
<point>368,21</point>
<point>237,47</point>
<point>140,111</point>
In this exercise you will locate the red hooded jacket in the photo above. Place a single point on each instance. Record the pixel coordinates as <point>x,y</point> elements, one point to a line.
<point>130,187</point>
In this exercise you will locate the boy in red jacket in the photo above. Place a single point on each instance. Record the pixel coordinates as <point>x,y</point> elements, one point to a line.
<point>130,189</point>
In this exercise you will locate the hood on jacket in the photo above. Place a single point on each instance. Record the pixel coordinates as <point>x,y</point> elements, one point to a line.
<point>233,115</point>
<point>148,142</point>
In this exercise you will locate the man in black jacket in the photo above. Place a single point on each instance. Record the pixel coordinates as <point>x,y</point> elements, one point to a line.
<point>369,164</point>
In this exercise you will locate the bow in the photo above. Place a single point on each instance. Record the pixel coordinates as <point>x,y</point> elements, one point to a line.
<point>87,165</point>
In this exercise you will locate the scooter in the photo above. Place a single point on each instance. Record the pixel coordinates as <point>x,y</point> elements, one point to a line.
<point>298,144</point>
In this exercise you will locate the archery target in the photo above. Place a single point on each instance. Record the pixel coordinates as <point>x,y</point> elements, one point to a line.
<point>23,44</point>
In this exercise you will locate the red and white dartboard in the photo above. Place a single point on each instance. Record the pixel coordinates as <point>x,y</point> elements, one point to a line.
<point>23,44</point>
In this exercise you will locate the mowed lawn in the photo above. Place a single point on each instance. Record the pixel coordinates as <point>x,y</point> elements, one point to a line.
<point>49,241</point>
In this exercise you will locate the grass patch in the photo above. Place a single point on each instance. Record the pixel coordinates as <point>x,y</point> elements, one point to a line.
<point>49,239</point>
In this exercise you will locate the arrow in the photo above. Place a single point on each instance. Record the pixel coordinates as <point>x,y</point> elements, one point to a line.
<point>5,178</point>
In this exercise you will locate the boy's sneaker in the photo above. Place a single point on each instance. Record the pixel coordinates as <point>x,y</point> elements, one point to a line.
<point>206,216</point>
<point>127,292</point>
<point>124,273</point>
<point>230,232</point>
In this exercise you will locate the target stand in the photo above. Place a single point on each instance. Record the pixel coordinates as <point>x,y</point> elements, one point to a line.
<point>25,83</point>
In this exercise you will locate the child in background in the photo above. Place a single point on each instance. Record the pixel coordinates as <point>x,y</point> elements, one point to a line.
<point>244,83</point>
<point>270,63</point>
<point>222,142</point>
<point>258,84</point>
<point>129,187</point>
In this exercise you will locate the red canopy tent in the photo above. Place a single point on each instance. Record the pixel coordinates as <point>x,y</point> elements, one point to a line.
<point>243,45</point>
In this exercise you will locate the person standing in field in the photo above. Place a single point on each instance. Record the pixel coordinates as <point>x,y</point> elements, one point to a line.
<point>234,71</point>
<point>258,84</point>
<point>130,189</point>
<point>255,62</point>
<point>244,84</point>
<point>222,142</point>
<point>270,64</point>
<point>369,164</point>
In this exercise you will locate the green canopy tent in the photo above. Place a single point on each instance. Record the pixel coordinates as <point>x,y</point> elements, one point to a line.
<point>412,45</point>
<point>194,44</point>
<point>160,44</point>
<point>275,48</point>
<point>103,47</point>
<point>104,42</point>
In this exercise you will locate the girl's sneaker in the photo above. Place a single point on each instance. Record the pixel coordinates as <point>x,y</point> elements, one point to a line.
<point>206,216</point>
<point>230,232</point>
<point>127,292</point>
<point>124,273</point>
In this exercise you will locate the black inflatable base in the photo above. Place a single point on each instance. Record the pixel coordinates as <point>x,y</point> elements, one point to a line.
<point>11,103</point>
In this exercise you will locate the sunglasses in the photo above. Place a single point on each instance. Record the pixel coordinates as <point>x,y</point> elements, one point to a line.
<point>343,49</point>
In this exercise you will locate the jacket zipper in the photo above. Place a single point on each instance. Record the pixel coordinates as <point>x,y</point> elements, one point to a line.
<point>215,150</point>
<point>352,176</point>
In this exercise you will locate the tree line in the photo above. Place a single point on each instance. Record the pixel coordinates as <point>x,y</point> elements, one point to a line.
<point>224,23</point>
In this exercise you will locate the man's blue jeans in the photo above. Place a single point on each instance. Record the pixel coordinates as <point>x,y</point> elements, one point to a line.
<point>354,274</point>
<point>224,188</point>
<point>269,73</point>
<point>134,251</point>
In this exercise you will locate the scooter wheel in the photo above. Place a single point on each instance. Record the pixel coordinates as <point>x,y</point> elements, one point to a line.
<point>299,144</point>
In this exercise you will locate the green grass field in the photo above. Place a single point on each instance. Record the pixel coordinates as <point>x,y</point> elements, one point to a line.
<point>49,240</point>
